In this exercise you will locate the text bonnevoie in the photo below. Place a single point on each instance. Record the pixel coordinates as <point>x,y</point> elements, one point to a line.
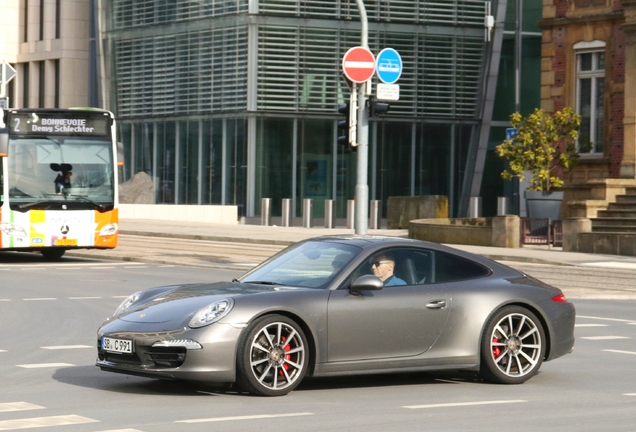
<point>62,125</point>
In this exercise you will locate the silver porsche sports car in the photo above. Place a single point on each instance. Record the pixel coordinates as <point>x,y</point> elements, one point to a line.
<point>340,306</point>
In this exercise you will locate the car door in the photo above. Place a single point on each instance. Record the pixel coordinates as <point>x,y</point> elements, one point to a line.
<point>396,321</point>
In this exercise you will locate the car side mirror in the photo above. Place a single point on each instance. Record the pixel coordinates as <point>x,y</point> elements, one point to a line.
<point>366,283</point>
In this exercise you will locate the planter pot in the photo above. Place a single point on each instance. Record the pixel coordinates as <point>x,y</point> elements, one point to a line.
<point>544,204</point>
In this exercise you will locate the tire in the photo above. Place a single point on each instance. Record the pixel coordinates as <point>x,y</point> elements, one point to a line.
<point>52,254</point>
<point>272,356</point>
<point>512,346</point>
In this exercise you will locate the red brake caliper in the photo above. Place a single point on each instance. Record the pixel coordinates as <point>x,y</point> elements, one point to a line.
<point>287,357</point>
<point>496,351</point>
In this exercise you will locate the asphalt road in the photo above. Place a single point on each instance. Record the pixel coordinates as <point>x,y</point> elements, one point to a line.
<point>49,313</point>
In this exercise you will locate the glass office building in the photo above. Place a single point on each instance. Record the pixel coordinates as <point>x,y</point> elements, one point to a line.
<point>231,101</point>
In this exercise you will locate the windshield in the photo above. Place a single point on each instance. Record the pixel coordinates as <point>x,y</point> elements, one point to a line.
<point>311,264</point>
<point>46,171</point>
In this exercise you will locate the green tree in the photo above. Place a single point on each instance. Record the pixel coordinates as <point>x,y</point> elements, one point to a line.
<point>545,145</point>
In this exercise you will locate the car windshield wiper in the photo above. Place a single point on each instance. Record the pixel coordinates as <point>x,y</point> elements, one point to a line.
<point>266,283</point>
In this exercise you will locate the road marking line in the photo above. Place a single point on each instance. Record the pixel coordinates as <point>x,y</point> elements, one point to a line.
<point>604,337</point>
<point>100,268</point>
<point>18,406</point>
<point>84,298</point>
<point>5,300</point>
<point>629,394</point>
<point>62,347</point>
<point>40,299</point>
<point>252,417</point>
<point>45,422</point>
<point>3,350</point>
<point>122,430</point>
<point>44,365</point>
<point>611,264</point>
<point>32,268</point>
<point>590,325</point>
<point>120,297</point>
<point>496,402</point>
<point>620,352</point>
<point>605,319</point>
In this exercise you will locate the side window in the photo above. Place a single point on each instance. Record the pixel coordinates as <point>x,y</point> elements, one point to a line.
<point>449,268</point>
<point>413,266</point>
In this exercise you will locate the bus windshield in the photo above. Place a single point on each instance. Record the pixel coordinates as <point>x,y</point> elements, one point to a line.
<point>46,172</point>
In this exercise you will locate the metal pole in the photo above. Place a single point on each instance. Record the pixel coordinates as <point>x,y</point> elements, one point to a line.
<point>374,216</point>
<point>516,193</point>
<point>308,212</point>
<point>362,186</point>
<point>266,211</point>
<point>329,213</point>
<point>286,215</point>
<point>351,210</point>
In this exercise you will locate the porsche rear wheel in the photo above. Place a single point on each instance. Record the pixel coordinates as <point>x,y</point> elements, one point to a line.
<point>513,346</point>
<point>272,356</point>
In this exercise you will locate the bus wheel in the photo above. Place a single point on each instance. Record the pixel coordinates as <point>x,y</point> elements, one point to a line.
<point>52,254</point>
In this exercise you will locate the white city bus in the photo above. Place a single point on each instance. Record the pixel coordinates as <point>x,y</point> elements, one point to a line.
<point>58,180</point>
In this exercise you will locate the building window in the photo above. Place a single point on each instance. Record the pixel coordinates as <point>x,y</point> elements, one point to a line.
<point>590,90</point>
<point>25,85</point>
<point>42,85</point>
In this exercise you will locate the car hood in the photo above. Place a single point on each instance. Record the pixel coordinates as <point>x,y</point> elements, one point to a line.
<point>183,301</point>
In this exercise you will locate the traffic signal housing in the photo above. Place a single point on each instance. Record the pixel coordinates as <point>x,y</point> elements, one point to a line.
<point>377,109</point>
<point>343,128</point>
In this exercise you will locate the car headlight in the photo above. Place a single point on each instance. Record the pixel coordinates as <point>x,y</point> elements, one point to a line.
<point>127,303</point>
<point>211,313</point>
<point>12,230</point>
<point>108,230</point>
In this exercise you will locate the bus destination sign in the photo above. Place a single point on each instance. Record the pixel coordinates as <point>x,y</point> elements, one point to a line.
<point>49,124</point>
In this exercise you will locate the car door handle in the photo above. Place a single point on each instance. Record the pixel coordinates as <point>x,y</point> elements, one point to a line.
<point>436,304</point>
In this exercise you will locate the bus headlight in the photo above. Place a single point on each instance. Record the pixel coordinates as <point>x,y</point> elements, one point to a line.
<point>108,230</point>
<point>12,230</point>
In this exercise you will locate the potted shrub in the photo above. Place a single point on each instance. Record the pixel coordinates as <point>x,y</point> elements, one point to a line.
<point>545,146</point>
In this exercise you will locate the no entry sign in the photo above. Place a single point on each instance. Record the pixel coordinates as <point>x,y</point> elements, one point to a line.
<point>358,64</point>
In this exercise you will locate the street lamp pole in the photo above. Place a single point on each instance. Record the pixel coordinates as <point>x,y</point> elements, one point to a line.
<point>361,221</point>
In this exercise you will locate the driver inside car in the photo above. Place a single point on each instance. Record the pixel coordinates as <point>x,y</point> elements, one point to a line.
<point>382,267</point>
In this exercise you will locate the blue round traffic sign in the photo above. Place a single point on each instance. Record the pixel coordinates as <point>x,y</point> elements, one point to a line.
<point>388,65</point>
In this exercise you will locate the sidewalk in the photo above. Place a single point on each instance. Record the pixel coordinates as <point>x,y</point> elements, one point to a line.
<point>287,235</point>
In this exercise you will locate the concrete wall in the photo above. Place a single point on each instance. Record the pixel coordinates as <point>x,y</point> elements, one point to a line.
<point>499,231</point>
<point>400,210</point>
<point>191,213</point>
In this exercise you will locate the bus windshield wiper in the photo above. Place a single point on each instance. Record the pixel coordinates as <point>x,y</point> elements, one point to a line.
<point>88,200</point>
<point>36,203</point>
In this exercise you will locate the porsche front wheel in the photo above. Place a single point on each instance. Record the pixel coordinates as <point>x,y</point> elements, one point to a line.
<point>272,356</point>
<point>512,347</point>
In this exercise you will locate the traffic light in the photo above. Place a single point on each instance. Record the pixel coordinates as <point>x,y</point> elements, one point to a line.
<point>376,108</point>
<point>343,125</point>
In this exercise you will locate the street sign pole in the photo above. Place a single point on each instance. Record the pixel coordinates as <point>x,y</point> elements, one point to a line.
<point>361,221</point>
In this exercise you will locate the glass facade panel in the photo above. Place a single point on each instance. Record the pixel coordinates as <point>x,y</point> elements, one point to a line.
<point>274,162</point>
<point>188,162</point>
<point>144,134</point>
<point>393,161</point>
<point>236,164</point>
<point>212,162</point>
<point>166,165</point>
<point>315,143</point>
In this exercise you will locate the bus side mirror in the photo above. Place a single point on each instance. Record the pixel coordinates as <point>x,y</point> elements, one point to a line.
<point>4,141</point>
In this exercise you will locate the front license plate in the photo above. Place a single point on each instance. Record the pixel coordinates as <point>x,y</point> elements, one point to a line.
<point>120,346</point>
<point>65,242</point>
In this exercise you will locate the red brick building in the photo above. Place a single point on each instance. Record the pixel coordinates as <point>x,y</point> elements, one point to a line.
<point>589,63</point>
